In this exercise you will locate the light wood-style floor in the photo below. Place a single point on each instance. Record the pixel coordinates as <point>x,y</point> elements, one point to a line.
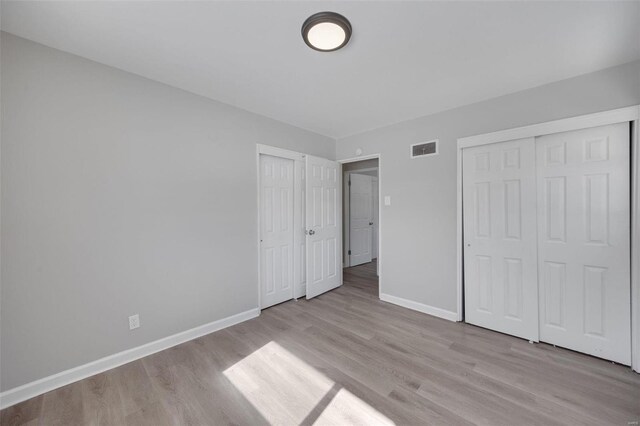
<point>347,358</point>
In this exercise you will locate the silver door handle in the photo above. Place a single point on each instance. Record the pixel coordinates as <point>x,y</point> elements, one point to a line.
<point>311,232</point>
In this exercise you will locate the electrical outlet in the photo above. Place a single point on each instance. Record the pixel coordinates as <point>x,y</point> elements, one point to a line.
<point>134,321</point>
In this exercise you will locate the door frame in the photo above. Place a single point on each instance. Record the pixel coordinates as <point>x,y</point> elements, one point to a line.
<point>628,114</point>
<point>346,206</point>
<point>380,203</point>
<point>298,221</point>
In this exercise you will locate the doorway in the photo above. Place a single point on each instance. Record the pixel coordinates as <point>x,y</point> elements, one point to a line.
<point>361,216</point>
<point>299,226</point>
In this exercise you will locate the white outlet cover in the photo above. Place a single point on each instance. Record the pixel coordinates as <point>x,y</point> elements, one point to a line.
<point>387,200</point>
<point>134,321</point>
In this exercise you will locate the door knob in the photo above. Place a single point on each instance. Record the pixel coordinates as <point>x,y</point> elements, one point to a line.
<point>370,223</point>
<point>311,232</point>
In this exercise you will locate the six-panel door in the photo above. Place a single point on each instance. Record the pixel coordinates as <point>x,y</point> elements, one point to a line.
<point>500,268</point>
<point>276,230</point>
<point>360,219</point>
<point>584,240</point>
<point>324,230</point>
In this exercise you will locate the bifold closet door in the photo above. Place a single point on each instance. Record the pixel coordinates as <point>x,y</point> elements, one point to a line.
<point>324,227</point>
<point>584,240</point>
<point>276,229</point>
<point>499,219</point>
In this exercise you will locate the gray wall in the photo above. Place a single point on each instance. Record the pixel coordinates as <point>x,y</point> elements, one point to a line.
<point>419,228</point>
<point>120,195</point>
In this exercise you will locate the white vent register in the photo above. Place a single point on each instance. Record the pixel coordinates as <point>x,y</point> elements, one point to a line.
<point>424,149</point>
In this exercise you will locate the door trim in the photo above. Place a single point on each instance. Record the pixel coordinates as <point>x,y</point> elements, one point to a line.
<point>635,242</point>
<point>380,203</point>
<point>628,114</point>
<point>298,160</point>
<point>557,126</point>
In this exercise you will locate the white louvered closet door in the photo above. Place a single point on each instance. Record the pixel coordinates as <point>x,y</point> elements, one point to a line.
<point>500,267</point>
<point>584,240</point>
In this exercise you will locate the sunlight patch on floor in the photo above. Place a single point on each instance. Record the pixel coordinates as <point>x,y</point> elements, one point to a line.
<point>287,390</point>
<point>347,409</point>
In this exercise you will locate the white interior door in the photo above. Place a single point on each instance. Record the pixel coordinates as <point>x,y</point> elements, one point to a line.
<point>360,219</point>
<point>584,240</point>
<point>324,228</point>
<point>499,219</point>
<point>375,211</point>
<point>276,230</point>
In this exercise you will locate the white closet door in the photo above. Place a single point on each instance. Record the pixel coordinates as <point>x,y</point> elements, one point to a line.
<point>360,219</point>
<point>324,228</point>
<point>583,240</point>
<point>277,231</point>
<point>374,197</point>
<point>499,214</point>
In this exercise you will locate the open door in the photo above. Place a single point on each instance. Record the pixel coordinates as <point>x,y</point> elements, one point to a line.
<point>360,219</point>
<point>324,227</point>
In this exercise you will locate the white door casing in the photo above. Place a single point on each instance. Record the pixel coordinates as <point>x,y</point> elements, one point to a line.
<point>499,219</point>
<point>375,198</point>
<point>360,219</point>
<point>277,229</point>
<point>324,227</point>
<point>584,240</point>
<point>300,251</point>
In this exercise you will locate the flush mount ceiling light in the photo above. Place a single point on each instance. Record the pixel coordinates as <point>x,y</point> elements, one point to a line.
<point>326,31</point>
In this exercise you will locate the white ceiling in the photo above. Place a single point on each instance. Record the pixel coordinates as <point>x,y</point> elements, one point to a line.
<point>405,59</point>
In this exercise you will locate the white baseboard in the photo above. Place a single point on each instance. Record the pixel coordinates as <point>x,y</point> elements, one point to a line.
<point>420,307</point>
<point>38,387</point>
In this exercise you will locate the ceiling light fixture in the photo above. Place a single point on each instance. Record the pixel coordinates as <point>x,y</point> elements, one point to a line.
<point>326,31</point>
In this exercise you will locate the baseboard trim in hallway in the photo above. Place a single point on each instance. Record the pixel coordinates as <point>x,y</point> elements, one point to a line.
<point>38,387</point>
<point>420,307</point>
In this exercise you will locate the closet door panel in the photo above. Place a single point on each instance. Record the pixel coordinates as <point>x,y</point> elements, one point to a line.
<point>499,218</point>
<point>584,240</point>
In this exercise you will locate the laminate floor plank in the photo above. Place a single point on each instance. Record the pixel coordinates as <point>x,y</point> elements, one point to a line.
<point>102,405</point>
<point>135,388</point>
<point>64,406</point>
<point>346,357</point>
<point>23,413</point>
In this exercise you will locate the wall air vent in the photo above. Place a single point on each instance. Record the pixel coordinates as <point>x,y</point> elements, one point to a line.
<point>424,149</point>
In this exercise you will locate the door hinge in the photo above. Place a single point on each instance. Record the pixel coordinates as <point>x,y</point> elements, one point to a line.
<point>349,252</point>
<point>349,182</point>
